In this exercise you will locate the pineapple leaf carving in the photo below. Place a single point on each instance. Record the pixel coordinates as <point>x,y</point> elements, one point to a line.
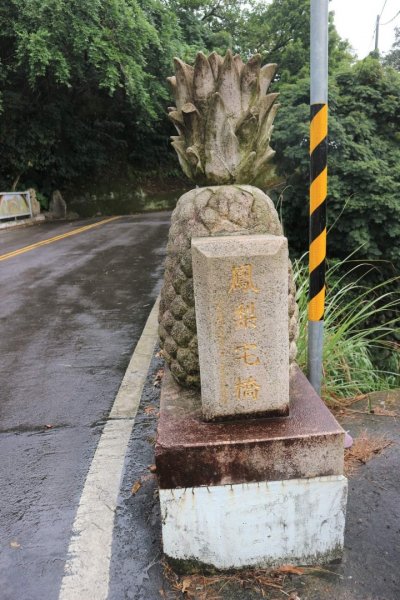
<point>224,118</point>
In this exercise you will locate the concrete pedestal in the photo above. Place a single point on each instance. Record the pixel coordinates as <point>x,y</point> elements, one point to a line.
<point>296,521</point>
<point>255,492</point>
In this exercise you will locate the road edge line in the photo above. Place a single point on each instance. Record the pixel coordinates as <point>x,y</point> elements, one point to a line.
<point>87,569</point>
<point>56,238</point>
<point>126,403</point>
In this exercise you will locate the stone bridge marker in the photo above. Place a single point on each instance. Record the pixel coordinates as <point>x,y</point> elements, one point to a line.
<point>265,485</point>
<point>250,466</point>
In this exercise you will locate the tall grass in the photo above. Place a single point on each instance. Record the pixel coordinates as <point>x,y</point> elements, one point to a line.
<point>354,332</point>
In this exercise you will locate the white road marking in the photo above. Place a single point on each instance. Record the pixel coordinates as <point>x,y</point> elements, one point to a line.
<point>87,568</point>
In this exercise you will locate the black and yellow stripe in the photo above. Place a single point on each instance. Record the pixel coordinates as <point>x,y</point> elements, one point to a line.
<point>318,192</point>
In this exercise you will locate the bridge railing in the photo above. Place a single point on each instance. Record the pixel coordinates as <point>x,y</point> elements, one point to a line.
<point>15,204</point>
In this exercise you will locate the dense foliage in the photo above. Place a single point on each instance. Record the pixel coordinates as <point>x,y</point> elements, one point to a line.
<point>82,93</point>
<point>81,83</point>
<point>392,58</point>
<point>363,160</point>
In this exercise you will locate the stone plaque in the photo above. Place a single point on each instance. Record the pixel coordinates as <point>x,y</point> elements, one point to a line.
<point>241,298</point>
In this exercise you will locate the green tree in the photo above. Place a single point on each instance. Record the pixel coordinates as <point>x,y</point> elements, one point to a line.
<point>363,161</point>
<point>392,58</point>
<point>210,25</point>
<point>280,32</point>
<point>81,82</point>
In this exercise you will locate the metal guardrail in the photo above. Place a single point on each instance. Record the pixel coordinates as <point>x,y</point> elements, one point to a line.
<point>15,204</point>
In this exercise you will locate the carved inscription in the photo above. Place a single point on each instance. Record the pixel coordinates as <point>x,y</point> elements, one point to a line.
<point>246,353</point>
<point>242,279</point>
<point>240,285</point>
<point>245,317</point>
<point>247,388</point>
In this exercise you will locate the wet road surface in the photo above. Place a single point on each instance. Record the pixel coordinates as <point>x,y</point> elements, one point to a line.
<point>71,313</point>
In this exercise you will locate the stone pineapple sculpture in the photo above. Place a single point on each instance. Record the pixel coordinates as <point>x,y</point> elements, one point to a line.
<point>224,118</point>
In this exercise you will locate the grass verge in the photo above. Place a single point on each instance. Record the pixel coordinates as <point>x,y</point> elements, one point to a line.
<point>354,330</point>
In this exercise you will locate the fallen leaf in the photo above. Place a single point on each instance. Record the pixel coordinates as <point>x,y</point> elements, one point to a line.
<point>136,487</point>
<point>14,544</point>
<point>48,426</point>
<point>158,377</point>
<point>150,410</point>
<point>186,584</point>
<point>363,449</point>
<point>379,410</point>
<point>290,569</point>
<point>152,468</point>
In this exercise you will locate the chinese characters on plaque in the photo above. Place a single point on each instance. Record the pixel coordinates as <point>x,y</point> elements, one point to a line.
<point>245,318</point>
<point>241,298</point>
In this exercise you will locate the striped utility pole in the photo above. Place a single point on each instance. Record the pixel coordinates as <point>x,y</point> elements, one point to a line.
<point>318,186</point>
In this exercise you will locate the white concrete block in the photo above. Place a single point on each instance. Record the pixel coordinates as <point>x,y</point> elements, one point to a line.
<point>297,521</point>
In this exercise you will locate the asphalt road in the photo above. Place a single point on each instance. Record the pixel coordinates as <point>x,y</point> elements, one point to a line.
<point>71,313</point>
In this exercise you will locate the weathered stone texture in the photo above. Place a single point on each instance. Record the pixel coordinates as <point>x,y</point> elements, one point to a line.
<point>263,524</point>
<point>241,299</point>
<point>191,452</point>
<point>224,118</point>
<point>34,202</point>
<point>209,211</point>
<point>254,492</point>
<point>58,206</point>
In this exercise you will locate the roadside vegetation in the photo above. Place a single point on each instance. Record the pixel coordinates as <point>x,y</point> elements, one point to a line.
<point>361,351</point>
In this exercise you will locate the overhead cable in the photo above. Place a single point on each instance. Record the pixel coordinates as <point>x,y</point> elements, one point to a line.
<point>383,8</point>
<point>392,19</point>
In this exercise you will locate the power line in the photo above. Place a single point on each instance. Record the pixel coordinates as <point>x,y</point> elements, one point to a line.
<point>383,8</point>
<point>392,19</point>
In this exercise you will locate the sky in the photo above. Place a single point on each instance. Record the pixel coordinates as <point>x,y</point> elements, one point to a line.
<point>355,21</point>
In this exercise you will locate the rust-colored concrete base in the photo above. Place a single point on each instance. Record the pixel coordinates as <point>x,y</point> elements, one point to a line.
<point>191,452</point>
